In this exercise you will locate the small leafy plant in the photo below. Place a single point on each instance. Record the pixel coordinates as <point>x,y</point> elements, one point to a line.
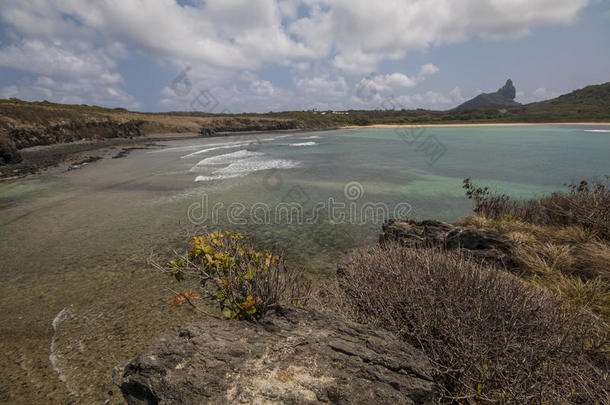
<point>243,282</point>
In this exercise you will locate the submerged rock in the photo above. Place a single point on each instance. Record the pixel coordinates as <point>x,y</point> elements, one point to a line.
<point>485,244</point>
<point>293,356</point>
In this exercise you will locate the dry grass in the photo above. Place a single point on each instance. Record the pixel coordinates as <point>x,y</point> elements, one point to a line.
<point>593,260</point>
<point>491,336</point>
<point>569,260</point>
<point>561,241</point>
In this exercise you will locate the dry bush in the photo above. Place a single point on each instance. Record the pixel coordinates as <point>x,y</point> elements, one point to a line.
<point>586,206</point>
<point>491,336</point>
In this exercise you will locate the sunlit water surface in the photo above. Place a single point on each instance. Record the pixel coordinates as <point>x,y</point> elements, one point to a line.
<point>77,297</point>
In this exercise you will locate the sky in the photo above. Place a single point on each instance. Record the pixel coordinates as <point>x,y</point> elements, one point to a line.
<point>272,55</point>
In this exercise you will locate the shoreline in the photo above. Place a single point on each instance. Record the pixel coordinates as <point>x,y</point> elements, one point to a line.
<point>44,157</point>
<point>495,124</point>
<point>71,155</point>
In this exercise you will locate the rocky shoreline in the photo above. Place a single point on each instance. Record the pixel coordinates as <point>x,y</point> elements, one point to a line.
<point>293,356</point>
<point>33,159</point>
<point>37,158</point>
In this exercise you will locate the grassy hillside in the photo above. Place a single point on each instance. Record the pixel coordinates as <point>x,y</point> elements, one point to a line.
<point>591,101</point>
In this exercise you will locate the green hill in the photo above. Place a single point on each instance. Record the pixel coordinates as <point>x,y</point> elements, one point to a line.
<point>591,102</point>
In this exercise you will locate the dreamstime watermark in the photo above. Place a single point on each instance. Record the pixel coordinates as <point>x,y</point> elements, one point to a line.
<point>413,135</point>
<point>305,212</point>
<point>204,101</point>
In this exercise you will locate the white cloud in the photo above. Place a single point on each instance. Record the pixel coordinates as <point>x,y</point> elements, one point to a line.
<point>323,86</point>
<point>240,34</point>
<point>78,91</point>
<point>456,95</point>
<point>57,59</point>
<point>362,35</point>
<point>428,69</point>
<point>541,93</point>
<point>262,88</point>
<point>324,43</point>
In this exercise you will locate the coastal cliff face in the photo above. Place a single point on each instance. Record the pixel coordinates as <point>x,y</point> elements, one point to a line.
<point>293,356</point>
<point>248,124</point>
<point>27,124</point>
<point>74,131</point>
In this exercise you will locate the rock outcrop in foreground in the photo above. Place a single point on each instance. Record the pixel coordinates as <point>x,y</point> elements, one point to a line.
<point>484,244</point>
<point>294,356</point>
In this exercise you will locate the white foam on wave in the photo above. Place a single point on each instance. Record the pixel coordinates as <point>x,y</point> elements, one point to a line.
<point>256,165</point>
<point>191,147</point>
<point>312,137</point>
<point>597,130</point>
<point>227,158</point>
<point>219,177</point>
<point>199,152</point>
<point>245,167</point>
<point>237,164</point>
<point>304,144</point>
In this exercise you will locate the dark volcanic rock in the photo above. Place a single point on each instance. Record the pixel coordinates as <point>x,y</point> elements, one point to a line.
<point>74,131</point>
<point>480,243</point>
<point>508,90</point>
<point>205,131</point>
<point>8,152</point>
<point>294,356</point>
<point>504,97</point>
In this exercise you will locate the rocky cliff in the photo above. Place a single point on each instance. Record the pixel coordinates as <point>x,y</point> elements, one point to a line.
<point>485,244</point>
<point>504,97</point>
<point>294,356</point>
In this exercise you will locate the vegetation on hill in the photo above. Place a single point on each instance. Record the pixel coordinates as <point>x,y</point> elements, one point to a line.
<point>591,104</point>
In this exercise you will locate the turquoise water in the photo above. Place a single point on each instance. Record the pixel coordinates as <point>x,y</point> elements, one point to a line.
<point>77,296</point>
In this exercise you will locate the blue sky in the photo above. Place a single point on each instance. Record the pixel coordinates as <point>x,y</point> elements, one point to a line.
<point>270,55</point>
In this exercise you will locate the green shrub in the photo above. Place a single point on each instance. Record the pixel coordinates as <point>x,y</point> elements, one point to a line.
<point>244,283</point>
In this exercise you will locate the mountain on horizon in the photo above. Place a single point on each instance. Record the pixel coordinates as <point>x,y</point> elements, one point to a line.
<point>504,97</point>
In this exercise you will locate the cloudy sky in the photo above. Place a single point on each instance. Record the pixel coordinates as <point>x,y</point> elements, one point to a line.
<point>270,55</point>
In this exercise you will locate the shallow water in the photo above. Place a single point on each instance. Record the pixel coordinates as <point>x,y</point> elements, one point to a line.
<point>77,297</point>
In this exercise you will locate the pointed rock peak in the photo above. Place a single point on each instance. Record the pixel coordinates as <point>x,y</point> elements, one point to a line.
<point>508,90</point>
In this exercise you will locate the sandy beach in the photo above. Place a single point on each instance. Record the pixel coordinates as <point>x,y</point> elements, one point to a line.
<point>508,124</point>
